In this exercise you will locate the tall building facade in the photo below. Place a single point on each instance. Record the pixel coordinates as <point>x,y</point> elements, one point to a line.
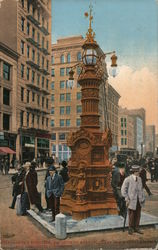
<point>66,105</point>
<point>136,119</point>
<point>28,26</point>
<point>8,93</point>
<point>150,139</point>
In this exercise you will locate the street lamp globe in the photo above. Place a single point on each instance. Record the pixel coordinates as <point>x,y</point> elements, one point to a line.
<point>113,70</point>
<point>89,56</point>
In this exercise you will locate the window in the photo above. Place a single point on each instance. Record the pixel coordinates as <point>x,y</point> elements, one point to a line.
<point>28,73</point>
<point>28,6</point>
<point>52,123</point>
<point>52,97</point>
<point>62,71</point>
<point>22,23</point>
<point>53,137</point>
<point>33,11</point>
<point>79,57</point>
<point>68,58</point>
<point>61,122</point>
<point>6,71</point>
<point>42,81</point>
<point>42,62</point>
<point>21,118</point>
<point>47,26</point>
<point>22,47</point>
<point>53,72</point>
<point>122,132</point>
<point>42,42</point>
<point>47,122</point>
<point>6,121</point>
<point>78,95</point>
<point>47,65</point>
<point>125,132</point>
<point>22,94</point>
<point>33,96</point>
<point>6,96</point>
<point>67,122</point>
<point>38,59</point>
<point>42,102</point>
<point>22,70</point>
<point>43,21</point>
<point>38,15</point>
<point>22,3</point>
<point>28,51</point>
<point>67,71</point>
<point>62,136</point>
<point>125,141</point>
<point>68,97</point>
<point>33,33</point>
<point>33,55</point>
<point>68,110</point>
<point>28,96</point>
<point>38,37</point>
<point>52,110</point>
<point>62,97</point>
<point>47,45</point>
<point>42,120</point>
<point>38,120</point>
<point>38,99</point>
<point>33,76</point>
<point>47,102</point>
<point>62,59</point>
<point>33,118</point>
<point>52,85</point>
<point>62,110</point>
<point>47,83</point>
<point>122,140</point>
<point>38,79</point>
<point>52,59</point>
<point>78,85</point>
<point>62,84</point>
<point>27,119</point>
<point>78,122</point>
<point>78,70</point>
<point>79,109</point>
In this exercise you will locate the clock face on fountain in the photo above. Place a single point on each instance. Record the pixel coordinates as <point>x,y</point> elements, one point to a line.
<point>83,147</point>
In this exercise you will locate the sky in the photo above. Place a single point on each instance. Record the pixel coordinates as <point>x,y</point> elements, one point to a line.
<point>130,27</point>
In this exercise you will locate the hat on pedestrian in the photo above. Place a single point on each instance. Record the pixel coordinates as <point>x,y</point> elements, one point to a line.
<point>52,168</point>
<point>27,164</point>
<point>121,165</point>
<point>135,168</point>
<point>64,163</point>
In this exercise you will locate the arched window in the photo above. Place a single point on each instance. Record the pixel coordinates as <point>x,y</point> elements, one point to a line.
<point>79,56</point>
<point>68,58</point>
<point>62,59</point>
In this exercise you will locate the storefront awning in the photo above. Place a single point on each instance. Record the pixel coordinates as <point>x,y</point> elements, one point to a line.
<point>6,150</point>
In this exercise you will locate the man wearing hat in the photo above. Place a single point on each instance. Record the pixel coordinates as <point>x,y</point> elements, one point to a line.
<point>118,176</point>
<point>132,191</point>
<point>54,190</point>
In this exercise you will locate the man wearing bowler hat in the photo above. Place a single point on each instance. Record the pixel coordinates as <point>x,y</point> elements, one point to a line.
<point>54,189</point>
<point>132,191</point>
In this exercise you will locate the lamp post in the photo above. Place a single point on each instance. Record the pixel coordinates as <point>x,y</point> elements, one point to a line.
<point>89,192</point>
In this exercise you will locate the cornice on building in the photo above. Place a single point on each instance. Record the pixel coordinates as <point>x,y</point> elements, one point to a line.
<point>8,51</point>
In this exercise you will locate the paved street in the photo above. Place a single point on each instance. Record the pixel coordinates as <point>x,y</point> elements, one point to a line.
<point>21,232</point>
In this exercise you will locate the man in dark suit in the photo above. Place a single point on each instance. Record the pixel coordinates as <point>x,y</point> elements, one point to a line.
<point>17,185</point>
<point>54,189</point>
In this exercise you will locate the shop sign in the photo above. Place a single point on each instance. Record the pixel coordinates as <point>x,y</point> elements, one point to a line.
<point>29,145</point>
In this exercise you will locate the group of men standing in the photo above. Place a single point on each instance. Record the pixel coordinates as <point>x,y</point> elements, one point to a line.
<point>25,183</point>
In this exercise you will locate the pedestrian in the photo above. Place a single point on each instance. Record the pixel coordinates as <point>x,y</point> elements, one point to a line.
<point>31,183</point>
<point>17,181</point>
<point>6,169</point>
<point>156,169</point>
<point>151,166</point>
<point>143,176</point>
<point>118,176</point>
<point>132,191</point>
<point>1,165</point>
<point>49,163</point>
<point>54,188</point>
<point>64,171</point>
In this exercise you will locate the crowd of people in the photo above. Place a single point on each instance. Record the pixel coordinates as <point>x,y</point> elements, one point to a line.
<point>128,182</point>
<point>25,184</point>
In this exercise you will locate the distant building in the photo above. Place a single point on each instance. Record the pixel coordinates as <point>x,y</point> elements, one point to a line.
<point>156,144</point>
<point>66,102</point>
<point>150,139</point>
<point>135,118</point>
<point>25,28</point>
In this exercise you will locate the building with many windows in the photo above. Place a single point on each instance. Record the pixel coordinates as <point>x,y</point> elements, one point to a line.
<point>8,93</point>
<point>28,26</point>
<point>131,128</point>
<point>150,139</point>
<point>66,101</point>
